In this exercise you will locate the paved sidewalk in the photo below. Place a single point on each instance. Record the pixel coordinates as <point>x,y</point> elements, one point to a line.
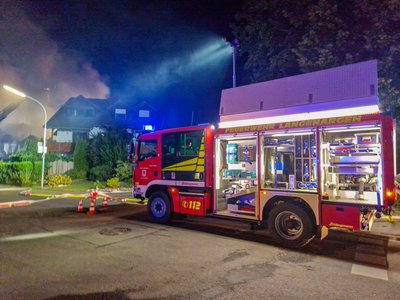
<point>11,188</point>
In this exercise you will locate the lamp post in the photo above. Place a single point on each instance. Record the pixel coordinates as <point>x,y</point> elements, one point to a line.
<point>18,93</point>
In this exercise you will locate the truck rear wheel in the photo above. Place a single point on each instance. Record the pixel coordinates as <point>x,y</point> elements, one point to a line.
<point>290,225</point>
<point>159,207</point>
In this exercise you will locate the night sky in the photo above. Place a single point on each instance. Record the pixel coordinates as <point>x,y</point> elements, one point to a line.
<point>169,53</point>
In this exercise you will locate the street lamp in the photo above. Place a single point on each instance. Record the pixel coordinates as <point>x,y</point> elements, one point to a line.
<point>18,93</point>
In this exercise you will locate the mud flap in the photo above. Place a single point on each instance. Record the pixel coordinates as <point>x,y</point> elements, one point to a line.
<point>322,232</point>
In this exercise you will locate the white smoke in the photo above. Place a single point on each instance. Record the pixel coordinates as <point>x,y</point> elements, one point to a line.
<point>32,62</point>
<point>174,70</point>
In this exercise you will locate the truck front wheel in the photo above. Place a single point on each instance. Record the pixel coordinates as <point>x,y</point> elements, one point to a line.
<point>290,225</point>
<point>159,207</point>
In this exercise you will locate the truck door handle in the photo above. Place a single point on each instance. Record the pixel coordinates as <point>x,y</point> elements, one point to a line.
<point>155,173</point>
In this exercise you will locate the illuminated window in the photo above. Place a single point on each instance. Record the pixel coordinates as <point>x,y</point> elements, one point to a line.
<point>144,114</point>
<point>120,114</point>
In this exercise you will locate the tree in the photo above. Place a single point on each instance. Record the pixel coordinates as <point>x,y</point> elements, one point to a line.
<point>81,164</point>
<point>106,149</point>
<point>282,38</point>
<point>29,152</point>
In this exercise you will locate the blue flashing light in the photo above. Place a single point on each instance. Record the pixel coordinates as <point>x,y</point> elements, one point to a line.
<point>148,127</point>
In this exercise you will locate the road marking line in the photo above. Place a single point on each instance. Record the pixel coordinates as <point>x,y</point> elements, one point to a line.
<point>33,236</point>
<point>5,205</point>
<point>16,203</point>
<point>368,271</point>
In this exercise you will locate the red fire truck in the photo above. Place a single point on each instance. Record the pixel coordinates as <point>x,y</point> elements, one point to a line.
<point>293,155</point>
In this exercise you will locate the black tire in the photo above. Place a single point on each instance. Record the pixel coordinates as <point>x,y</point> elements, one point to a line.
<point>159,207</point>
<point>290,225</point>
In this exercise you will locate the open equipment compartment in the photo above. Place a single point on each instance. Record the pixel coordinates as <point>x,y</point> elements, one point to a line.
<point>290,160</point>
<point>351,167</point>
<point>236,179</point>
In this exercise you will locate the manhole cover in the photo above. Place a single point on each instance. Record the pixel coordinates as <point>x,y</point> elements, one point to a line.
<point>115,231</point>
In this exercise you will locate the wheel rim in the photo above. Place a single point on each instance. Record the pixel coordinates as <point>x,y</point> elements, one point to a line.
<point>158,207</point>
<point>289,225</point>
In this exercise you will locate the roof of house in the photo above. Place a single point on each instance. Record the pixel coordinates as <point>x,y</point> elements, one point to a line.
<point>80,113</point>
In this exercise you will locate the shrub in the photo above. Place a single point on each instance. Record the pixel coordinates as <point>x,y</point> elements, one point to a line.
<point>75,174</point>
<point>108,147</point>
<point>59,180</point>
<point>97,184</point>
<point>23,173</point>
<point>102,173</point>
<point>20,173</point>
<point>113,183</point>
<point>27,153</point>
<point>123,170</point>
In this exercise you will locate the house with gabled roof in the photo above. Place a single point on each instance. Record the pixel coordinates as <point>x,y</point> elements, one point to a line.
<point>80,118</point>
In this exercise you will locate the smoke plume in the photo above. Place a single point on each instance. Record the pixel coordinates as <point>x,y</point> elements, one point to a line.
<point>33,63</point>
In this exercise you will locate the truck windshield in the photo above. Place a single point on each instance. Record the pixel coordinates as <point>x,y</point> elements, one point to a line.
<point>147,149</point>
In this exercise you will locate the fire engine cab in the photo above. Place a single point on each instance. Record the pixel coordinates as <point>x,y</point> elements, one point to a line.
<point>294,155</point>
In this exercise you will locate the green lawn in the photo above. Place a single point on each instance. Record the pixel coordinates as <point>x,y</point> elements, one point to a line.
<point>77,186</point>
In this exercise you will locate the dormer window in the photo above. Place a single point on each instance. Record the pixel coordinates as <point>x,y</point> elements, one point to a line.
<point>120,114</point>
<point>144,113</point>
<point>81,113</point>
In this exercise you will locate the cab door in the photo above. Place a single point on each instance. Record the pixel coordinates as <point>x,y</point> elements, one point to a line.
<point>148,161</point>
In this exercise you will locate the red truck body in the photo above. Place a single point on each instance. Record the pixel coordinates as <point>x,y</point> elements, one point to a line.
<point>319,166</point>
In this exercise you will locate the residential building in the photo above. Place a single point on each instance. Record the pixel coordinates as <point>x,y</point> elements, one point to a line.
<point>81,118</point>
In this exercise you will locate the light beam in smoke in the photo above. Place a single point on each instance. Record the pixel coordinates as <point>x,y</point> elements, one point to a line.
<point>174,70</point>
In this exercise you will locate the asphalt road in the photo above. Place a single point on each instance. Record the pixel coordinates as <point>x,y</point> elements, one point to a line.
<point>48,251</point>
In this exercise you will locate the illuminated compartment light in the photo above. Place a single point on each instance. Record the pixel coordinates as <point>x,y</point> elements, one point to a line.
<point>343,112</point>
<point>292,133</point>
<point>355,128</point>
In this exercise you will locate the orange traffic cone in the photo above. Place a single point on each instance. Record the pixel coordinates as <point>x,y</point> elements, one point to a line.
<point>92,209</point>
<point>80,206</point>
<point>105,204</point>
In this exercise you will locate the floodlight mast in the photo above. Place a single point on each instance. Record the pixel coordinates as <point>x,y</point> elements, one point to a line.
<point>23,95</point>
<point>235,46</point>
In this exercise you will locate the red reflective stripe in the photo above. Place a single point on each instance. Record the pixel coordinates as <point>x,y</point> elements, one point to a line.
<point>387,160</point>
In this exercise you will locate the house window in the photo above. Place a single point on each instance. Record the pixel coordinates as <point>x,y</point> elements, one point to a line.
<point>79,136</point>
<point>83,113</point>
<point>120,114</point>
<point>144,113</point>
<point>64,136</point>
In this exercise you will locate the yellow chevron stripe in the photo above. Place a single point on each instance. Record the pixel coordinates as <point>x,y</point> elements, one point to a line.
<point>190,168</point>
<point>200,169</point>
<point>192,161</point>
<point>190,165</point>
